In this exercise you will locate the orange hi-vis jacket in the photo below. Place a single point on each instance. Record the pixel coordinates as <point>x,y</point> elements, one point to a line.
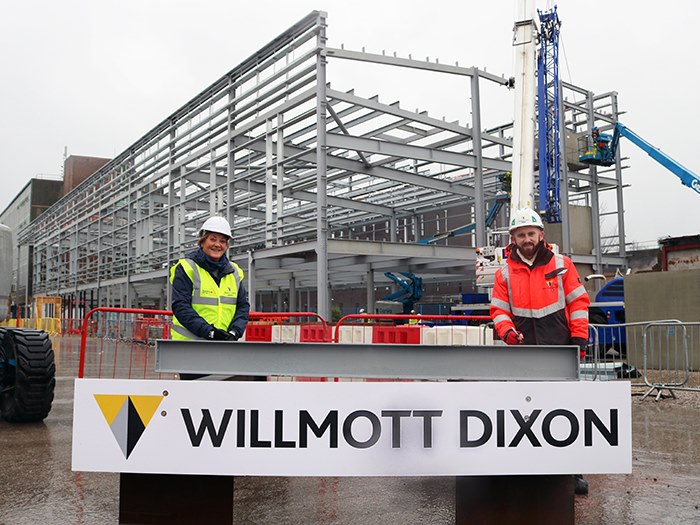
<point>546,302</point>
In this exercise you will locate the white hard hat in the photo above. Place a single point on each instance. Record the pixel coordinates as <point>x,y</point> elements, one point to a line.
<point>216,224</point>
<point>525,217</point>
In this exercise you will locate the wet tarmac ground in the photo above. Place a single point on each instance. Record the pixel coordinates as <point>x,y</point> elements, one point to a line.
<point>37,485</point>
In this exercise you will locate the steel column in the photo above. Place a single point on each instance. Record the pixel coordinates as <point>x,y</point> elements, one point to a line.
<point>323,307</point>
<point>595,205</point>
<point>479,211</point>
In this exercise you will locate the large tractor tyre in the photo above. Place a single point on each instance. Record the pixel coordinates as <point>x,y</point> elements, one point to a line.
<point>27,375</point>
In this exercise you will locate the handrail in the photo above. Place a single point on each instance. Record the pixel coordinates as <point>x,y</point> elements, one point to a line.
<point>407,316</point>
<point>83,330</point>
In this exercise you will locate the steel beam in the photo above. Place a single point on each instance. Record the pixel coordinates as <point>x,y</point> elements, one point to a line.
<point>413,64</point>
<point>396,149</point>
<point>470,363</point>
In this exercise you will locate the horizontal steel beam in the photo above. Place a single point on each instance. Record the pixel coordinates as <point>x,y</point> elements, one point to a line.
<point>473,363</point>
<point>414,64</point>
<point>395,149</point>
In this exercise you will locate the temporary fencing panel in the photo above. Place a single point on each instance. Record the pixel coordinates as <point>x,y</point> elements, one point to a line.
<point>118,342</point>
<point>659,356</point>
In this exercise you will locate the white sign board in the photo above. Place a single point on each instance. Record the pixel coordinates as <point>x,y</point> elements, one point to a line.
<point>352,428</point>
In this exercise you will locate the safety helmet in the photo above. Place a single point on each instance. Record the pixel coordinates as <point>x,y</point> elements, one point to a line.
<point>362,310</point>
<point>524,217</point>
<point>216,224</point>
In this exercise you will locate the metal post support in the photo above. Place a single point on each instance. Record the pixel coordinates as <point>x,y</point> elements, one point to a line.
<point>595,207</point>
<point>526,500</point>
<point>270,223</point>
<point>292,294</point>
<point>618,189</point>
<point>564,186</point>
<point>324,306</point>
<point>279,180</point>
<point>393,225</point>
<point>251,282</point>
<point>167,499</point>
<point>479,213</point>
<point>370,291</point>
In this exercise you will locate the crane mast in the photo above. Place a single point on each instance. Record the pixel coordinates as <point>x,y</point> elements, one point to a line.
<point>548,121</point>
<point>525,43</point>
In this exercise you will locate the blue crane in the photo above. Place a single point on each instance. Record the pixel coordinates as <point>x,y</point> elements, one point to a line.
<point>549,141</point>
<point>601,150</point>
<point>411,290</point>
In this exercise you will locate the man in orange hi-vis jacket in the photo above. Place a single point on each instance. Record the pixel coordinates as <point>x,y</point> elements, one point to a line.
<point>538,298</point>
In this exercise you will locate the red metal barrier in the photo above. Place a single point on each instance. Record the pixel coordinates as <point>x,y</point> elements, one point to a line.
<point>71,325</point>
<point>84,329</point>
<point>142,325</point>
<point>395,317</point>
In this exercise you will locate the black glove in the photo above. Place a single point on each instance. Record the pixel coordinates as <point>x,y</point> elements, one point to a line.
<point>581,343</point>
<point>217,334</point>
<point>235,336</point>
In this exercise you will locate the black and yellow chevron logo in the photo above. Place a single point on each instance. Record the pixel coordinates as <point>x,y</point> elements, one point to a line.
<point>127,416</point>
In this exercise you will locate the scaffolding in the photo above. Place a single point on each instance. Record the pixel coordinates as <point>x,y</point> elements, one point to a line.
<point>323,188</point>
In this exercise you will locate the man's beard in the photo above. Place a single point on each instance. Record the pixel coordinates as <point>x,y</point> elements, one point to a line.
<point>529,250</point>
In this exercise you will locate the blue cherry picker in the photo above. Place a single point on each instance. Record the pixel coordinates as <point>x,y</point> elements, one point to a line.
<point>600,149</point>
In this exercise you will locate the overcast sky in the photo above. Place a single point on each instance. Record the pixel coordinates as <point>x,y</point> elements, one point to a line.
<point>94,76</point>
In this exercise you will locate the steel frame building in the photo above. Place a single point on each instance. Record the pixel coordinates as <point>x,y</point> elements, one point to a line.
<point>323,188</point>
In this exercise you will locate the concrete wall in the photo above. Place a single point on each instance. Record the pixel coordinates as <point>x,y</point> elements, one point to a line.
<point>663,295</point>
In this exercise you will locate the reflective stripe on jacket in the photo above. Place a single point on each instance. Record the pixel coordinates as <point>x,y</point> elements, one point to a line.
<point>546,302</point>
<point>216,304</point>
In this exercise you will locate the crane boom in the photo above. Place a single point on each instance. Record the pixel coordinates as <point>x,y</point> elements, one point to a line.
<point>688,178</point>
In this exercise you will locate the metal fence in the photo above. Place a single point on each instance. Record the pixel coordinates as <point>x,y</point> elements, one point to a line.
<point>118,342</point>
<point>658,356</point>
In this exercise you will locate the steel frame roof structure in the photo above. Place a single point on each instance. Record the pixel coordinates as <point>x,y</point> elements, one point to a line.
<point>322,187</point>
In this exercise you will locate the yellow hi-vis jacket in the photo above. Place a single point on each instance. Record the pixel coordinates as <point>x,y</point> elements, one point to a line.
<point>215,304</point>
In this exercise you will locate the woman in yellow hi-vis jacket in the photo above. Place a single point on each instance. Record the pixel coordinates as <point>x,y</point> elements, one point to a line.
<point>209,300</point>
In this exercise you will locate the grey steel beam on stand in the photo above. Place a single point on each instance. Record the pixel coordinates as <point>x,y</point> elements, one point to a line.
<point>472,363</point>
